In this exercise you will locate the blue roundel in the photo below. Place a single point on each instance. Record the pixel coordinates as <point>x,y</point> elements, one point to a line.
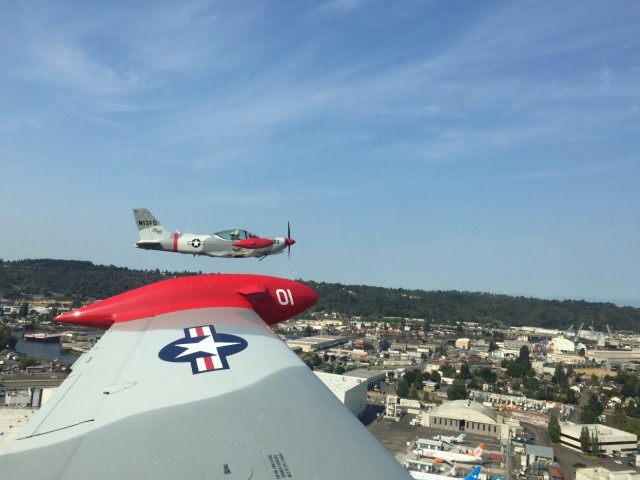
<point>204,348</point>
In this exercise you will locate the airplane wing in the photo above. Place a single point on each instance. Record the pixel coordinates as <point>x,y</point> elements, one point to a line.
<point>201,389</point>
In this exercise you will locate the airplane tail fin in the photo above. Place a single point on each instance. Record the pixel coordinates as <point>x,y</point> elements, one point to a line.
<point>149,227</point>
<point>474,475</point>
<point>478,451</point>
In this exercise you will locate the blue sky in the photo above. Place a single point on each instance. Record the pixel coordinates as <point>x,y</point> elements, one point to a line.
<point>483,146</point>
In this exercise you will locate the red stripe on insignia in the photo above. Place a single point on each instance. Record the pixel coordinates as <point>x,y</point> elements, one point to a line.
<point>175,242</point>
<point>209,363</point>
<point>199,332</point>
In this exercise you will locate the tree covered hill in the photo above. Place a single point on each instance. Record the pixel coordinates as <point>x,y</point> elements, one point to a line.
<point>450,306</point>
<point>70,279</point>
<point>82,281</point>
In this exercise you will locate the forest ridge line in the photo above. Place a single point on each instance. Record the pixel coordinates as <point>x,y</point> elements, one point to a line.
<point>83,281</point>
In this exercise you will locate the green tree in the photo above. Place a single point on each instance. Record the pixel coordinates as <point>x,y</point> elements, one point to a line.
<point>595,444</point>
<point>465,371</point>
<point>403,389</point>
<point>340,370</point>
<point>24,310</point>
<point>571,397</point>
<point>457,390</point>
<point>592,410</point>
<point>488,375</point>
<point>554,429</point>
<point>584,440</point>
<point>441,350</point>
<point>417,382</point>
<point>447,370</point>
<point>631,388</point>
<point>53,313</point>
<point>523,356</point>
<point>560,376</point>
<point>316,360</point>
<point>6,340</point>
<point>27,361</point>
<point>412,375</point>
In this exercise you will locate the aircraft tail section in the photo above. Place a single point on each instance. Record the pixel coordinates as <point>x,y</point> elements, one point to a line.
<point>478,451</point>
<point>149,228</point>
<point>474,475</point>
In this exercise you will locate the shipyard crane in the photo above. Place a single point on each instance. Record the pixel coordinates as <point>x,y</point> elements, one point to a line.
<point>575,339</point>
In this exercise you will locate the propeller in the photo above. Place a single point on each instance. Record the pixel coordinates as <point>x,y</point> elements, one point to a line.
<point>289,241</point>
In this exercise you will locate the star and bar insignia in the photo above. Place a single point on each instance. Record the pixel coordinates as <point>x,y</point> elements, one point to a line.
<point>204,348</point>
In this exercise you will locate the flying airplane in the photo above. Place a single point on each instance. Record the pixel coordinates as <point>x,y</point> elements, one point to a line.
<point>474,475</point>
<point>450,457</point>
<point>225,244</point>
<point>189,381</point>
<point>451,440</point>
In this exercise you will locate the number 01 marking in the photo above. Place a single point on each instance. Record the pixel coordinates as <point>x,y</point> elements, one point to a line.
<point>284,296</point>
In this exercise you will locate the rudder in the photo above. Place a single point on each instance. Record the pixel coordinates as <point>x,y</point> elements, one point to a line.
<point>149,227</point>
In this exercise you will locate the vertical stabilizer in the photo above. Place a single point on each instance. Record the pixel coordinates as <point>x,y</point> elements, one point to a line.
<point>149,227</point>
<point>474,475</point>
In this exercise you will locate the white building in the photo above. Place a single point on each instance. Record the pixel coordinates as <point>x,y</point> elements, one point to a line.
<point>562,345</point>
<point>610,439</point>
<point>371,377</point>
<point>313,344</point>
<point>351,391</point>
<point>468,416</point>
<point>599,473</point>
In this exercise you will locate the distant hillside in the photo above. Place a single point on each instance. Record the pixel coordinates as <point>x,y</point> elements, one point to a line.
<point>486,308</point>
<point>70,279</point>
<point>82,281</point>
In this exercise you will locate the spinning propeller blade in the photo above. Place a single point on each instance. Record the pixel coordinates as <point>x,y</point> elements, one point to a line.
<point>289,241</point>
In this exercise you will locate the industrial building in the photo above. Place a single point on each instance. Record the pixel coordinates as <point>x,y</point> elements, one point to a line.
<point>599,473</point>
<point>610,440</point>
<point>33,397</point>
<point>537,458</point>
<point>468,416</point>
<point>372,377</point>
<point>313,344</point>
<point>561,345</point>
<point>351,391</point>
<point>421,466</point>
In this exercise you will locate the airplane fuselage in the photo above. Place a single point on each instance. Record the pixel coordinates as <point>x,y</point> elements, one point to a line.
<point>210,245</point>
<point>450,456</point>
<point>234,243</point>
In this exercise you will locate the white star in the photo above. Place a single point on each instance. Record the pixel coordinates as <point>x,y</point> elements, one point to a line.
<point>206,345</point>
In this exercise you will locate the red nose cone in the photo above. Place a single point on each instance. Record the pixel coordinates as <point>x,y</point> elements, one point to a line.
<point>289,241</point>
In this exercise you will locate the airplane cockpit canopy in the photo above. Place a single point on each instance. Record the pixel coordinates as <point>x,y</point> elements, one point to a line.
<point>233,235</point>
